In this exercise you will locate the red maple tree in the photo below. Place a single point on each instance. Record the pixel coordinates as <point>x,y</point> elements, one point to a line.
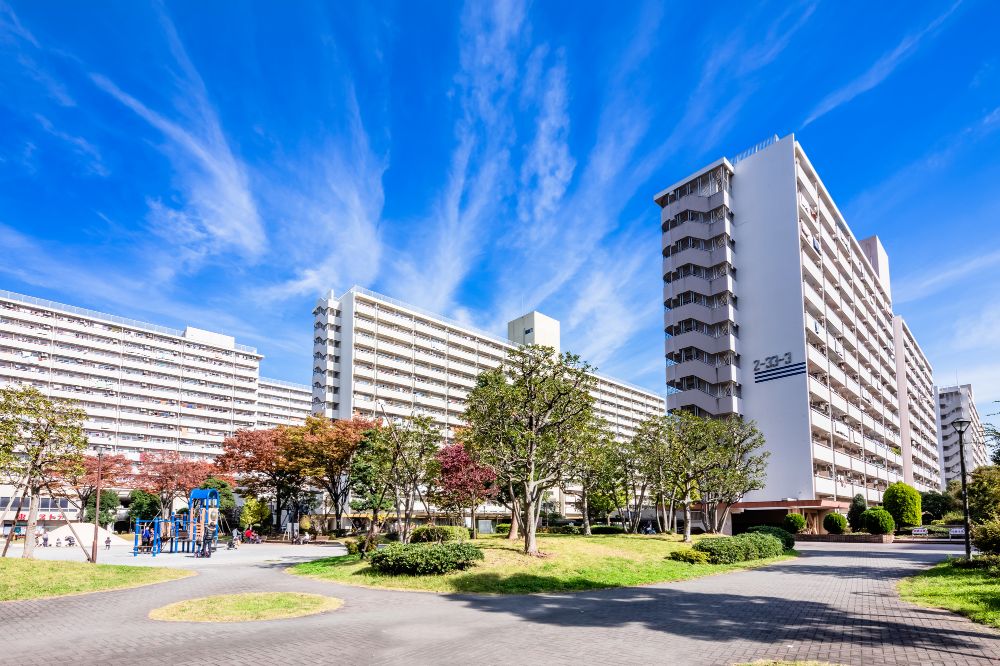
<point>463,483</point>
<point>169,475</point>
<point>259,460</point>
<point>80,477</point>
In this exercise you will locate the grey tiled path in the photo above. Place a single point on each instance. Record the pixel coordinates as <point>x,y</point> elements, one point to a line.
<point>836,603</point>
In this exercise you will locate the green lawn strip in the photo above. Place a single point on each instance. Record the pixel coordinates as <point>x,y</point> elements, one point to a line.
<point>35,579</point>
<point>571,563</point>
<point>247,607</point>
<point>974,593</point>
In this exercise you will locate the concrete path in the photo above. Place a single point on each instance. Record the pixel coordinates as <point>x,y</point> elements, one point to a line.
<point>836,603</point>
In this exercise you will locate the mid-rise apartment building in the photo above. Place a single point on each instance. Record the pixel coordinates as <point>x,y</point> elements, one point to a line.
<point>917,411</point>
<point>143,386</point>
<point>374,353</point>
<point>958,402</point>
<point>774,311</point>
<point>282,403</point>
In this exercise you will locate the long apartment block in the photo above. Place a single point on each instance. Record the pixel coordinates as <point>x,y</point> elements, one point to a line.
<point>143,386</point>
<point>374,353</point>
<point>958,402</point>
<point>774,311</point>
<point>917,411</point>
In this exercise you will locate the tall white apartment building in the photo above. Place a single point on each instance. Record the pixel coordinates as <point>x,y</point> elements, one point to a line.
<point>282,403</point>
<point>774,311</point>
<point>373,352</point>
<point>954,402</point>
<point>143,386</point>
<point>917,411</point>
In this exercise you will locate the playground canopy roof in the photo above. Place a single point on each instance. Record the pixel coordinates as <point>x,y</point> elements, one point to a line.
<point>204,494</point>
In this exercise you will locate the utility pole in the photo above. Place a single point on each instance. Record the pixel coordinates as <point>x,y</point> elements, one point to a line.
<point>97,505</point>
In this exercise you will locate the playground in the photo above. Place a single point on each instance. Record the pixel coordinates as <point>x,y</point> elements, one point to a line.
<point>194,531</point>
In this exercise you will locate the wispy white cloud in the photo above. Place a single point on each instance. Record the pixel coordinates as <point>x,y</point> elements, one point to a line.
<point>93,162</point>
<point>928,283</point>
<point>331,212</point>
<point>881,69</point>
<point>220,214</point>
<point>479,171</point>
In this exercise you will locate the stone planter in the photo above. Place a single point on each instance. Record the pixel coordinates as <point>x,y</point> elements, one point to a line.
<point>846,538</point>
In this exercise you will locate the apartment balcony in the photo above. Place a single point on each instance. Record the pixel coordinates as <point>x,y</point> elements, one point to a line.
<point>706,258</point>
<point>700,285</point>
<point>810,268</point>
<point>698,204</point>
<point>704,401</point>
<point>713,374</point>
<point>824,486</point>
<point>703,313</point>
<point>818,389</point>
<point>702,341</point>
<point>822,453</point>
<point>820,420</point>
<point>817,359</point>
<point>813,299</point>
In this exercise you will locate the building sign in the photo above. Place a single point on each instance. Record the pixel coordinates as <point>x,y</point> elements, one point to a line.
<point>42,516</point>
<point>919,531</point>
<point>777,366</point>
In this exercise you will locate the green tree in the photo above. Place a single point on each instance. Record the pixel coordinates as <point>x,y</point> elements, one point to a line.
<point>634,461</point>
<point>593,472</point>
<point>858,506</point>
<point>936,504</point>
<point>109,507</point>
<point>691,456</point>
<point>903,504</point>
<point>227,500</point>
<point>415,440</point>
<point>741,468</point>
<point>142,505</point>
<point>372,476</point>
<point>529,419</point>
<point>255,512</point>
<point>984,493</point>
<point>39,438</point>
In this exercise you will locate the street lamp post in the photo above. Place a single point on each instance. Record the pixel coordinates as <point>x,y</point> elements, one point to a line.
<point>97,506</point>
<point>960,426</point>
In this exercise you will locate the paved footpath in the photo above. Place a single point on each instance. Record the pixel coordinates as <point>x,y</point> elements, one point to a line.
<point>836,603</point>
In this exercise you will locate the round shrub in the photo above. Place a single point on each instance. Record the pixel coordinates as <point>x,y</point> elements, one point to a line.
<point>689,555</point>
<point>794,523</point>
<point>503,528</point>
<point>858,507</point>
<point>878,521</point>
<point>986,537</point>
<point>786,537</point>
<point>438,533</point>
<point>607,529</point>
<point>564,529</point>
<point>741,548</point>
<point>903,504</point>
<point>352,547</point>
<point>424,559</point>
<point>835,523</point>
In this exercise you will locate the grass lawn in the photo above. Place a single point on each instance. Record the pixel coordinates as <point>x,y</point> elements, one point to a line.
<point>32,579</point>
<point>247,607</point>
<point>571,563</point>
<point>973,593</point>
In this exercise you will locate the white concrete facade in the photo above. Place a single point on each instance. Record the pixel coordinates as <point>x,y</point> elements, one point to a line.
<point>956,402</point>
<point>372,350</point>
<point>774,311</point>
<point>143,386</point>
<point>917,413</point>
<point>282,403</point>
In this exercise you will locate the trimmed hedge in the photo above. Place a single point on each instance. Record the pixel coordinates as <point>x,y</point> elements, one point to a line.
<point>986,537</point>
<point>424,559</point>
<point>438,533</point>
<point>978,562</point>
<point>606,529</point>
<point>786,537</point>
<point>794,523</point>
<point>564,529</point>
<point>741,548</point>
<point>835,523</point>
<point>503,528</point>
<point>690,555</point>
<point>878,521</point>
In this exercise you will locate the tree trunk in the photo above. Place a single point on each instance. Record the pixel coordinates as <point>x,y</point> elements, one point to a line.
<point>531,525</point>
<point>20,503</point>
<point>687,518</point>
<point>29,531</point>
<point>515,525</point>
<point>672,515</point>
<point>475,529</point>
<point>658,505</point>
<point>586,511</point>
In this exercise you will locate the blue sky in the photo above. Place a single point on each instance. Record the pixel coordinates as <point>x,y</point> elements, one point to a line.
<point>223,164</point>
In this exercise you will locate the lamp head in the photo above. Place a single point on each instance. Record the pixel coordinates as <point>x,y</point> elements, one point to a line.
<point>961,425</point>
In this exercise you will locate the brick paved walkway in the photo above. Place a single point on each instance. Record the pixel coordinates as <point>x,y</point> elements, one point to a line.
<point>836,603</point>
